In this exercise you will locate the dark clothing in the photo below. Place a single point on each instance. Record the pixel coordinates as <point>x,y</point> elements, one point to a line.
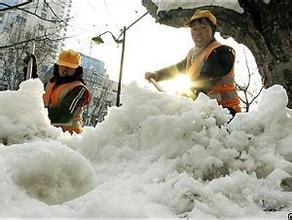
<point>34,73</point>
<point>60,80</point>
<point>211,71</point>
<point>65,98</point>
<point>219,63</point>
<point>63,113</point>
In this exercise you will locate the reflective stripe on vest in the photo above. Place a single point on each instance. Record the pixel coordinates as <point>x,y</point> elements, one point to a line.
<point>54,94</point>
<point>225,90</point>
<point>53,97</point>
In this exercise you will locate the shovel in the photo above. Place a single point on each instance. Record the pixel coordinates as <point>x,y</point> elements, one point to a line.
<point>156,85</point>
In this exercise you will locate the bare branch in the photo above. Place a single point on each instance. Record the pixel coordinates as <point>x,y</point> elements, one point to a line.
<point>242,88</point>
<point>9,7</point>
<point>248,69</point>
<point>41,38</point>
<point>37,6</point>
<point>54,13</point>
<point>241,100</point>
<point>254,98</point>
<point>34,14</point>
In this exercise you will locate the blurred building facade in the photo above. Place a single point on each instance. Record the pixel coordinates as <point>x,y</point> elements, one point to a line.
<point>43,22</point>
<point>104,90</point>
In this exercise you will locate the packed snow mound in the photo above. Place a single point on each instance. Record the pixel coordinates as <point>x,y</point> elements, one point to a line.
<point>195,134</point>
<point>190,146</point>
<point>22,114</point>
<point>157,156</point>
<point>47,171</point>
<point>150,120</point>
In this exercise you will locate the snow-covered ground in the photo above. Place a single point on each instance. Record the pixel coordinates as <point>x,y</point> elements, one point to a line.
<point>156,156</point>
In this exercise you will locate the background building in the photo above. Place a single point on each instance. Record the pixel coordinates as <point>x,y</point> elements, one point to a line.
<point>41,22</point>
<point>104,90</point>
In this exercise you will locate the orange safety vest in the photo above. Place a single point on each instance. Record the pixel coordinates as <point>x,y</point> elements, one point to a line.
<point>225,90</point>
<point>53,97</point>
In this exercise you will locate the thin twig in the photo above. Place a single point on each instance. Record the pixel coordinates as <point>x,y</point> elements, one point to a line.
<point>9,7</point>
<point>34,14</point>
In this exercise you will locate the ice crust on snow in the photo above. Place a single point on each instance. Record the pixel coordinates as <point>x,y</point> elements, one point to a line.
<point>155,156</point>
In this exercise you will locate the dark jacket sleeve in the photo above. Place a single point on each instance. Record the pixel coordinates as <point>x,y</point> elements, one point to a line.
<point>219,63</point>
<point>26,60</point>
<point>173,70</point>
<point>69,105</point>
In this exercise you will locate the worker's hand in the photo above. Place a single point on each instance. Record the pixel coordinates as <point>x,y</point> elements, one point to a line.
<point>152,75</point>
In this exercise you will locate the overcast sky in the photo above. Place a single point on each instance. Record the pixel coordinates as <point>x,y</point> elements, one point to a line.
<point>147,43</point>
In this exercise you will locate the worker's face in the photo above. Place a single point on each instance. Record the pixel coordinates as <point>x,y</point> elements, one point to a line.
<point>201,32</point>
<point>65,71</point>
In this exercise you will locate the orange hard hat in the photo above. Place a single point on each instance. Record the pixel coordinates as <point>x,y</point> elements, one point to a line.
<point>202,14</point>
<point>69,58</point>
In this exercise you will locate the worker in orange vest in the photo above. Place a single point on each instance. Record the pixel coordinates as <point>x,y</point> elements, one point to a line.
<point>66,93</point>
<point>209,64</point>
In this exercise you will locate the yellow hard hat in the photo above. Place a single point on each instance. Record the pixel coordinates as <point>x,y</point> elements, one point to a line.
<point>69,58</point>
<point>202,14</point>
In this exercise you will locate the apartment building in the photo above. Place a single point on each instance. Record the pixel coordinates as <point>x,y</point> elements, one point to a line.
<point>42,22</point>
<point>104,90</point>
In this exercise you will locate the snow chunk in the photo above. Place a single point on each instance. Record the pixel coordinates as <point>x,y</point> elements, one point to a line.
<point>23,115</point>
<point>48,171</point>
<point>147,119</point>
<point>271,112</point>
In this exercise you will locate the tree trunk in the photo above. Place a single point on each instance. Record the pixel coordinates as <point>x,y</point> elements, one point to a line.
<point>266,29</point>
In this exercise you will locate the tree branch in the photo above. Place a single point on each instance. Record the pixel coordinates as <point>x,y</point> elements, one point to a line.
<point>254,98</point>
<point>9,7</point>
<point>54,13</point>
<point>34,14</point>
<point>41,38</point>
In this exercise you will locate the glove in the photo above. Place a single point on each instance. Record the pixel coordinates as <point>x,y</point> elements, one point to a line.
<point>150,75</point>
<point>191,93</point>
<point>34,73</point>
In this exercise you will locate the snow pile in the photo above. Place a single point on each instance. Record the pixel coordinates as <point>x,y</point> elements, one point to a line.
<point>166,5</point>
<point>157,156</point>
<point>190,144</point>
<point>47,171</point>
<point>22,114</point>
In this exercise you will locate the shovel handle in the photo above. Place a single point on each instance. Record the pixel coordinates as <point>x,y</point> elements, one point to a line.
<point>156,85</point>
<point>30,63</point>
